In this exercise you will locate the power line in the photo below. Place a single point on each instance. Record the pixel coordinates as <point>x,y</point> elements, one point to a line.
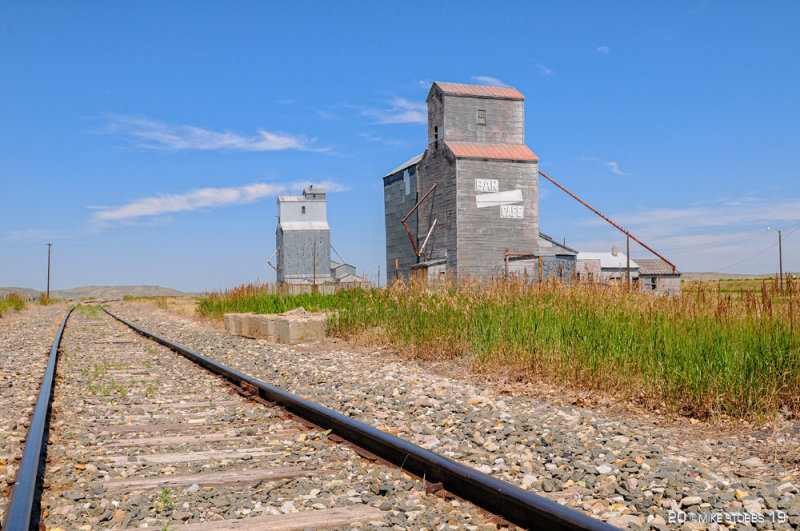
<point>760,252</point>
<point>722,244</point>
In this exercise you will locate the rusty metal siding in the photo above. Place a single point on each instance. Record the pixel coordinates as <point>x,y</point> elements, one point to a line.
<point>505,120</point>
<point>438,167</point>
<point>397,204</point>
<point>482,235</point>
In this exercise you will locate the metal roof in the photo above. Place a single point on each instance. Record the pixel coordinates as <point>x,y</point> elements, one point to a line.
<point>655,266</point>
<point>608,260</point>
<point>479,150</point>
<point>547,241</point>
<point>405,165</point>
<point>481,91</point>
<point>292,198</point>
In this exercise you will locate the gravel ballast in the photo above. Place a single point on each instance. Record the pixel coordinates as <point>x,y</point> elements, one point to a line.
<point>128,410</point>
<point>629,472</point>
<point>25,341</point>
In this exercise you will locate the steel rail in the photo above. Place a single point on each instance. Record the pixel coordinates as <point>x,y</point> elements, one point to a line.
<point>20,514</point>
<point>518,506</point>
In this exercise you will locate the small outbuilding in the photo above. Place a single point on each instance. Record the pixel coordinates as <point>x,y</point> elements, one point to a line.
<point>658,277</point>
<point>606,268</point>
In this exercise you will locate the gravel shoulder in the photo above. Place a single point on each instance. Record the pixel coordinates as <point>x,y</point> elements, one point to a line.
<point>25,341</point>
<point>627,468</point>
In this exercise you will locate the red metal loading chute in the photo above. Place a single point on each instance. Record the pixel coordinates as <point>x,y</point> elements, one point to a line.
<point>584,203</point>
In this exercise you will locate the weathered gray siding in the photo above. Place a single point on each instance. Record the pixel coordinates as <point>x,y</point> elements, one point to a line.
<point>665,284</point>
<point>560,267</point>
<point>588,271</point>
<point>483,236</point>
<point>438,167</point>
<point>398,203</point>
<point>505,120</point>
<point>435,114</point>
<point>296,257</point>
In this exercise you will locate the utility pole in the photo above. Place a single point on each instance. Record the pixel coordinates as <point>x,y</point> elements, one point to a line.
<point>780,259</point>
<point>628,258</point>
<point>780,256</point>
<point>314,262</point>
<point>49,245</point>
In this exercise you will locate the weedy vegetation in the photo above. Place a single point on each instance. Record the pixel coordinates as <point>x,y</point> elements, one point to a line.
<point>11,302</point>
<point>706,353</point>
<point>164,500</point>
<point>91,311</point>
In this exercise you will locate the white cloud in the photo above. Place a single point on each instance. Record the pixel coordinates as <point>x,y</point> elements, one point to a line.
<point>543,70</point>
<point>325,115</point>
<point>400,111</point>
<point>33,234</point>
<point>148,210</point>
<point>612,166</point>
<point>386,141</point>
<point>488,80</point>
<point>327,185</point>
<point>193,200</point>
<point>604,49</point>
<point>155,134</point>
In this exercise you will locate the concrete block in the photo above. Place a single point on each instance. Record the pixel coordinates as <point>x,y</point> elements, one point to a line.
<point>291,328</point>
<point>266,327</point>
<point>230,319</point>
<point>294,330</point>
<point>251,325</point>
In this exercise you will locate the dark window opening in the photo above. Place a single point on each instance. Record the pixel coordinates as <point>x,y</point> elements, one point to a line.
<point>481,117</point>
<point>302,210</point>
<point>435,137</point>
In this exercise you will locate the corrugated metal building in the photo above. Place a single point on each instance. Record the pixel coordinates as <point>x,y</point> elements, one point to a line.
<point>303,241</point>
<point>475,188</point>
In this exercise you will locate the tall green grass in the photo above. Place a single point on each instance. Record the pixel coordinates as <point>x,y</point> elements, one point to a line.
<point>11,302</point>
<point>701,354</point>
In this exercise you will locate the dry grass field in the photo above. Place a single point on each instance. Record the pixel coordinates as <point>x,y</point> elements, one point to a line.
<point>707,353</point>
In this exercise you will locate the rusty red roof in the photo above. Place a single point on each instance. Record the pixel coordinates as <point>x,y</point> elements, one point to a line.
<point>483,91</point>
<point>478,150</point>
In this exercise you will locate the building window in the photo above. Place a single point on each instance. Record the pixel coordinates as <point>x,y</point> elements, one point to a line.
<point>481,117</point>
<point>435,137</point>
<point>302,210</point>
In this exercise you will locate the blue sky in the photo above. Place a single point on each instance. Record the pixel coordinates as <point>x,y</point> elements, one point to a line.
<point>148,140</point>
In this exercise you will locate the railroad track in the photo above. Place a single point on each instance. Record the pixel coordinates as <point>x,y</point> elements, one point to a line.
<point>139,436</point>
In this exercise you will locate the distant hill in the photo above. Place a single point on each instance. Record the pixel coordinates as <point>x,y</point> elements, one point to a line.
<point>726,276</point>
<point>100,292</point>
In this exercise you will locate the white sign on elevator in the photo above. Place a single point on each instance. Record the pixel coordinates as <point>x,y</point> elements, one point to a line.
<point>511,211</point>
<point>487,185</point>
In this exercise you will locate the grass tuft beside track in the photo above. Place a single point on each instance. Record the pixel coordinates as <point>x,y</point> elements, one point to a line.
<point>11,302</point>
<point>702,354</point>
